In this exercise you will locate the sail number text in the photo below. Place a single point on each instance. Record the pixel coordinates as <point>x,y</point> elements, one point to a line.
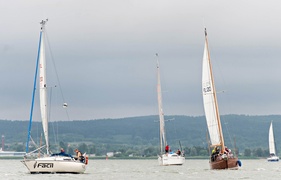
<point>207,89</point>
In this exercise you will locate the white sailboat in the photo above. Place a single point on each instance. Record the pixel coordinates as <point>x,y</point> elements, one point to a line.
<point>272,151</point>
<point>49,163</point>
<point>220,159</point>
<point>165,158</point>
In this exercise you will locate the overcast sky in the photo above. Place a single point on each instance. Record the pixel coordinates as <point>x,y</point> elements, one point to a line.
<point>105,55</point>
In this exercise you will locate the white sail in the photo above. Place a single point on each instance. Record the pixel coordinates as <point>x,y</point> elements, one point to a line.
<point>209,99</point>
<point>43,86</point>
<point>161,113</point>
<point>271,140</point>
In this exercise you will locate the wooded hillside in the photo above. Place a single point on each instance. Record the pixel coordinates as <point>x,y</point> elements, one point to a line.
<point>249,131</point>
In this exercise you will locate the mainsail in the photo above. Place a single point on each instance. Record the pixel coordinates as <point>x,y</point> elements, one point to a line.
<point>210,100</point>
<point>43,86</point>
<point>271,140</point>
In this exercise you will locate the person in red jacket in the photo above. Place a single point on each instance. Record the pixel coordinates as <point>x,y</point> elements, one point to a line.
<point>167,148</point>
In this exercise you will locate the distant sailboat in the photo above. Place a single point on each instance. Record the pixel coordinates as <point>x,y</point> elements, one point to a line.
<point>49,163</point>
<point>165,158</point>
<point>272,151</point>
<point>220,158</point>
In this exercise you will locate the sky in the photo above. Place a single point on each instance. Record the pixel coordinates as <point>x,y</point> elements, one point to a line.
<point>104,53</point>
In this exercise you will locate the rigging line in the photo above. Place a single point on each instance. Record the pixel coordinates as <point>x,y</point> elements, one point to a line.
<point>228,133</point>
<point>55,135</point>
<point>56,72</point>
<point>229,102</point>
<point>171,134</point>
<point>175,132</point>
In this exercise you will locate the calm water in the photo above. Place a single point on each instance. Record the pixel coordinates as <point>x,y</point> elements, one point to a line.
<point>149,169</point>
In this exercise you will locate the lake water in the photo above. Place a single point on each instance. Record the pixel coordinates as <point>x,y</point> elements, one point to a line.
<point>149,170</point>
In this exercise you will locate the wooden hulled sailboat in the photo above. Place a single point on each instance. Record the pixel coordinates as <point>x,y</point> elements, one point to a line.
<point>272,151</point>
<point>220,158</point>
<point>165,158</point>
<point>48,163</point>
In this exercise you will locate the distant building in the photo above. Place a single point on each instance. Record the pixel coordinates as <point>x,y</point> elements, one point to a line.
<point>110,154</point>
<point>11,153</point>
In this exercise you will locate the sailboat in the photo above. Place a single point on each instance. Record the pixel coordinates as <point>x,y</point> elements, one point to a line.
<point>221,158</point>
<point>165,158</point>
<point>272,150</point>
<point>48,163</point>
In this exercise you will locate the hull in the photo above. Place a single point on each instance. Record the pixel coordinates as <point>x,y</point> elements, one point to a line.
<point>229,163</point>
<point>54,165</point>
<point>170,159</point>
<point>273,159</point>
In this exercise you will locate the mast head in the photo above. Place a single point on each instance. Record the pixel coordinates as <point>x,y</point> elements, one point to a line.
<point>205,32</point>
<point>156,54</point>
<point>43,22</point>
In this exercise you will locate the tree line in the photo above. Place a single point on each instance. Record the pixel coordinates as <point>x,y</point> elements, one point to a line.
<point>140,135</point>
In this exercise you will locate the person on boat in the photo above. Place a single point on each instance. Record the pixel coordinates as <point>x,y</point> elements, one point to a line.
<point>62,152</point>
<point>167,148</point>
<point>226,150</point>
<point>230,153</point>
<point>171,152</point>
<point>215,153</point>
<point>79,156</point>
<point>178,152</point>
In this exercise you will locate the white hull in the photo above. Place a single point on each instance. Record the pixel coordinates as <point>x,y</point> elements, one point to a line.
<point>170,159</point>
<point>273,158</point>
<point>57,164</point>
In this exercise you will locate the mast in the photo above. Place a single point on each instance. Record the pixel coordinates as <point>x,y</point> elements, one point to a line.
<point>43,85</point>
<point>33,93</point>
<point>163,142</point>
<point>214,95</point>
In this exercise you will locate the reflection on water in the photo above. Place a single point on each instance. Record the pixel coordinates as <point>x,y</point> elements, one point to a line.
<point>149,169</point>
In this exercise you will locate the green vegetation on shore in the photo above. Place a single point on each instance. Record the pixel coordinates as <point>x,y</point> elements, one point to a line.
<point>139,136</point>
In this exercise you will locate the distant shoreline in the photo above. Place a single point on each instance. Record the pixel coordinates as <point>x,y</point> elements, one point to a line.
<point>139,158</point>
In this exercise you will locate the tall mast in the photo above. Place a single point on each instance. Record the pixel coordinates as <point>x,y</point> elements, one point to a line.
<point>160,110</point>
<point>215,95</point>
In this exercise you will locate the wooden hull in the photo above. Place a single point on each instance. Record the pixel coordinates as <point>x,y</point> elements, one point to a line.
<point>229,163</point>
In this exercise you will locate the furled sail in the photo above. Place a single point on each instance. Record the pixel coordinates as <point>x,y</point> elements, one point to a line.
<point>43,85</point>
<point>161,113</point>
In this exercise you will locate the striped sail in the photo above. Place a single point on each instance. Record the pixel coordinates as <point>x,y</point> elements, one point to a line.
<point>271,140</point>
<point>161,113</point>
<point>208,91</point>
<point>43,86</point>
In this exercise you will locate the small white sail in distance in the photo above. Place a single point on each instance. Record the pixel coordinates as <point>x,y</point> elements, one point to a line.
<point>271,140</point>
